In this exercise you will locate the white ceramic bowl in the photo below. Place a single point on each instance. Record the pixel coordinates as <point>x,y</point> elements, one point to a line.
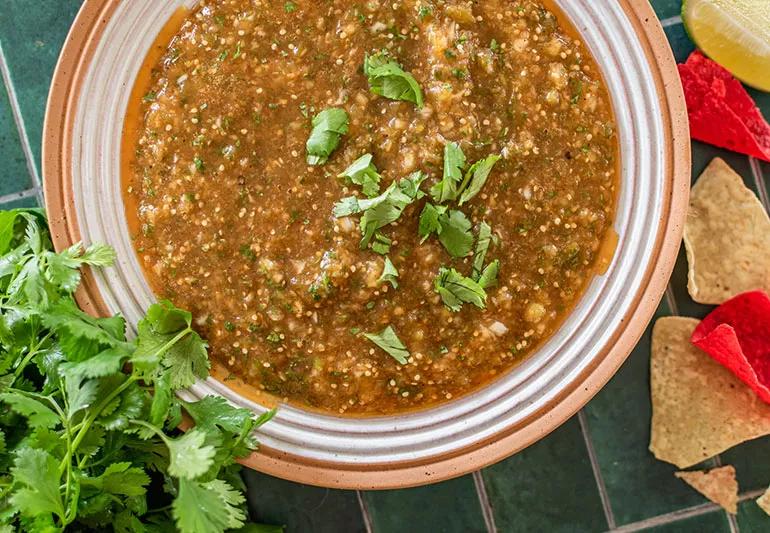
<point>83,192</point>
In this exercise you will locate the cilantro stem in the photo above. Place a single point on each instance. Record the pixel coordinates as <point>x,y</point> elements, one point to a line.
<point>32,353</point>
<point>92,416</point>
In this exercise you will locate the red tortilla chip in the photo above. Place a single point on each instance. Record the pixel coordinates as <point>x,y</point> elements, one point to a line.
<point>721,111</point>
<point>737,335</point>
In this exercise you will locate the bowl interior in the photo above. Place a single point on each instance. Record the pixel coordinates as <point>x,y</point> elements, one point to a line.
<point>512,400</point>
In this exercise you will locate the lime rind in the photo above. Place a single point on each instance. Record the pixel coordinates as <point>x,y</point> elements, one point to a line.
<point>734,33</point>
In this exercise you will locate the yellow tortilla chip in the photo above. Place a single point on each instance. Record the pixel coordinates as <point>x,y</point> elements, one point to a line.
<point>764,501</point>
<point>727,236</point>
<point>718,485</point>
<point>699,408</point>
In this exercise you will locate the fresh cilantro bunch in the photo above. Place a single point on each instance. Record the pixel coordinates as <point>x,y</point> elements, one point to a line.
<point>88,419</point>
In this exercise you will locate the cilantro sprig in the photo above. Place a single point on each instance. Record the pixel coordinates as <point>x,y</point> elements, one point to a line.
<point>88,418</point>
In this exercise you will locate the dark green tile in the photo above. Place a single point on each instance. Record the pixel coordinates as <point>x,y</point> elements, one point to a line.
<point>752,519</point>
<point>31,34</point>
<point>680,42</point>
<point>713,522</point>
<point>14,175</point>
<point>550,486</point>
<point>448,507</point>
<point>301,508</point>
<point>667,8</point>
<point>751,465</point>
<point>30,201</point>
<point>639,486</point>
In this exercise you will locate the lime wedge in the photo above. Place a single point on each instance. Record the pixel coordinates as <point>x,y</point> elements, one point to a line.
<point>735,34</point>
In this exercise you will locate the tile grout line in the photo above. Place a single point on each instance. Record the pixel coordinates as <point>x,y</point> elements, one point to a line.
<point>486,507</point>
<point>756,172</point>
<point>598,478</point>
<point>671,21</point>
<point>19,195</point>
<point>19,120</point>
<point>364,512</point>
<point>667,518</point>
<point>682,514</point>
<point>671,300</point>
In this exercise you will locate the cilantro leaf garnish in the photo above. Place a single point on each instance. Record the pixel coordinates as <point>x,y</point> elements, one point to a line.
<point>454,163</point>
<point>456,290</point>
<point>482,246</point>
<point>388,79</point>
<point>453,185</point>
<point>363,172</point>
<point>389,342</point>
<point>452,226</point>
<point>488,277</point>
<point>381,244</point>
<point>476,177</point>
<point>384,209</point>
<point>328,128</point>
<point>389,274</point>
<point>456,234</point>
<point>429,220</point>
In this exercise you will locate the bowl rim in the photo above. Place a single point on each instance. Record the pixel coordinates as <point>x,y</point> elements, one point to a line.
<point>77,52</point>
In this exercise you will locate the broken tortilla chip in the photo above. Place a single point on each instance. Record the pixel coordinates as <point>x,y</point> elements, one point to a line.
<point>764,501</point>
<point>718,485</point>
<point>737,335</point>
<point>727,237</point>
<point>699,408</point>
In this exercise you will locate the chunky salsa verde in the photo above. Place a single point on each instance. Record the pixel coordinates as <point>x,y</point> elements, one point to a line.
<point>372,207</point>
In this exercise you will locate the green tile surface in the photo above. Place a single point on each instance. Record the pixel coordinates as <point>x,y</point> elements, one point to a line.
<point>665,9</point>
<point>449,507</point>
<point>15,175</point>
<point>31,34</point>
<point>751,519</point>
<point>301,507</point>
<point>551,486</point>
